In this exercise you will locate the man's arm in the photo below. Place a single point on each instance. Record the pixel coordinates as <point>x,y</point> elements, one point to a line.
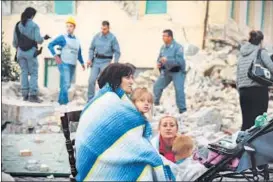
<point>159,56</point>
<point>15,38</point>
<point>267,61</point>
<point>116,49</point>
<point>178,59</point>
<point>92,48</point>
<point>80,56</point>
<point>37,36</point>
<point>60,41</point>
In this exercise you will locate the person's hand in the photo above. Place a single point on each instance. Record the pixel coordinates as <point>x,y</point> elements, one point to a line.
<point>83,67</point>
<point>47,37</point>
<point>159,65</point>
<point>163,60</point>
<point>58,59</point>
<point>89,63</point>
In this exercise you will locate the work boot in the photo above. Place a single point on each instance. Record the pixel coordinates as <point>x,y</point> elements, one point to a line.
<point>181,111</point>
<point>34,98</point>
<point>25,98</point>
<point>156,103</point>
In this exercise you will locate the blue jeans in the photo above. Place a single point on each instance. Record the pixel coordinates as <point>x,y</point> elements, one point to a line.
<point>96,69</point>
<point>67,72</point>
<point>29,67</point>
<point>164,80</point>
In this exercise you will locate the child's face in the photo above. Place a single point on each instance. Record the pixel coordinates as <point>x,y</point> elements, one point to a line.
<point>143,104</point>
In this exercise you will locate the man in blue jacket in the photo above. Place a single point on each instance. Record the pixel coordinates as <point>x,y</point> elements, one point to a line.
<point>70,53</point>
<point>172,67</point>
<point>26,38</point>
<point>103,46</point>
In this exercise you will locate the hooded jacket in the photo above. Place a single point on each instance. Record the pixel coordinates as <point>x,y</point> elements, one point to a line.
<point>248,53</point>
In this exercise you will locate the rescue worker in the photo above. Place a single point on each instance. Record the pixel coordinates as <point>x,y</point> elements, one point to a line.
<point>103,46</point>
<point>172,66</point>
<point>67,60</point>
<point>25,39</point>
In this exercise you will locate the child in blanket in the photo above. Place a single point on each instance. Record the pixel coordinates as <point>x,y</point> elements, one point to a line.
<point>189,169</point>
<point>142,99</point>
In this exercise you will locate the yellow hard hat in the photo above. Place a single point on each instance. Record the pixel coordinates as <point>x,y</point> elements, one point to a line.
<point>71,20</point>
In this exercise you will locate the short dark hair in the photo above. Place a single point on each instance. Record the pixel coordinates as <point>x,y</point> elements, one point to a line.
<point>113,74</point>
<point>255,37</point>
<point>132,66</point>
<point>271,57</point>
<point>105,23</point>
<point>169,32</point>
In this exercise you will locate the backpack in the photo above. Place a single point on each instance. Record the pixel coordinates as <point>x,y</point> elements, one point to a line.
<point>24,43</point>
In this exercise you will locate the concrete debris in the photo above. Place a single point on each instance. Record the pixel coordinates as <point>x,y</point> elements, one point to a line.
<point>32,162</point>
<point>54,129</point>
<point>207,116</point>
<point>50,177</point>
<point>25,153</point>
<point>190,49</point>
<point>38,140</point>
<point>44,168</point>
<point>230,34</point>
<point>32,167</point>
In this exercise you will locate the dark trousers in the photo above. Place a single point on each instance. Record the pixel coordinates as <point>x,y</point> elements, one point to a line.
<point>254,102</point>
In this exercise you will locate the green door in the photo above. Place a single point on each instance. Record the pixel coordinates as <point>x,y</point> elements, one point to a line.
<point>156,7</point>
<point>52,75</point>
<point>64,7</point>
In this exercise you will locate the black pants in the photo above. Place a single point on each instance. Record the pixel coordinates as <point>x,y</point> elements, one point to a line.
<point>254,102</point>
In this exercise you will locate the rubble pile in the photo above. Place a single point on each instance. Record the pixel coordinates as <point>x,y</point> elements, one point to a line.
<point>211,97</point>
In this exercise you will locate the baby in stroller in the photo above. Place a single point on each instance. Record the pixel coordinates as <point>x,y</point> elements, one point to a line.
<point>247,159</point>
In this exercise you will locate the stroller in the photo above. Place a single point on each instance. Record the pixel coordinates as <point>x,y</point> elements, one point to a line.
<point>247,161</point>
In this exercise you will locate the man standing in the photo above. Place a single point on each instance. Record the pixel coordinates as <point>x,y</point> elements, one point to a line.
<point>172,65</point>
<point>25,39</point>
<point>103,46</point>
<point>70,53</point>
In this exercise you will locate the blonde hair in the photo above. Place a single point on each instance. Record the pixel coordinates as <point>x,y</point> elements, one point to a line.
<point>138,93</point>
<point>164,117</point>
<point>182,145</point>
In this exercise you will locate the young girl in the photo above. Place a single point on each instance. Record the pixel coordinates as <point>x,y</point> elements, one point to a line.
<point>142,99</point>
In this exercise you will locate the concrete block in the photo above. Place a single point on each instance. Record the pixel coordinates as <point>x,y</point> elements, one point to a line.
<point>24,112</point>
<point>25,153</point>
<point>44,168</point>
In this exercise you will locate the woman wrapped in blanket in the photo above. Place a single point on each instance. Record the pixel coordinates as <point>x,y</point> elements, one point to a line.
<point>112,139</point>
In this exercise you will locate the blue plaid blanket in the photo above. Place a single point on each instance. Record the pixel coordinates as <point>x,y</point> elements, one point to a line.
<point>112,142</point>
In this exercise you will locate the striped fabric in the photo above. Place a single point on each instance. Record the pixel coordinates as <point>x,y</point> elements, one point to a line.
<point>112,142</point>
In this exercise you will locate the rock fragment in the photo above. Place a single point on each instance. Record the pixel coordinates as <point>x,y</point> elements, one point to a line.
<point>25,153</point>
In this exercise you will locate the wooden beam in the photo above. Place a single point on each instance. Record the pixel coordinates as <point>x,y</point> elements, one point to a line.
<point>205,25</point>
